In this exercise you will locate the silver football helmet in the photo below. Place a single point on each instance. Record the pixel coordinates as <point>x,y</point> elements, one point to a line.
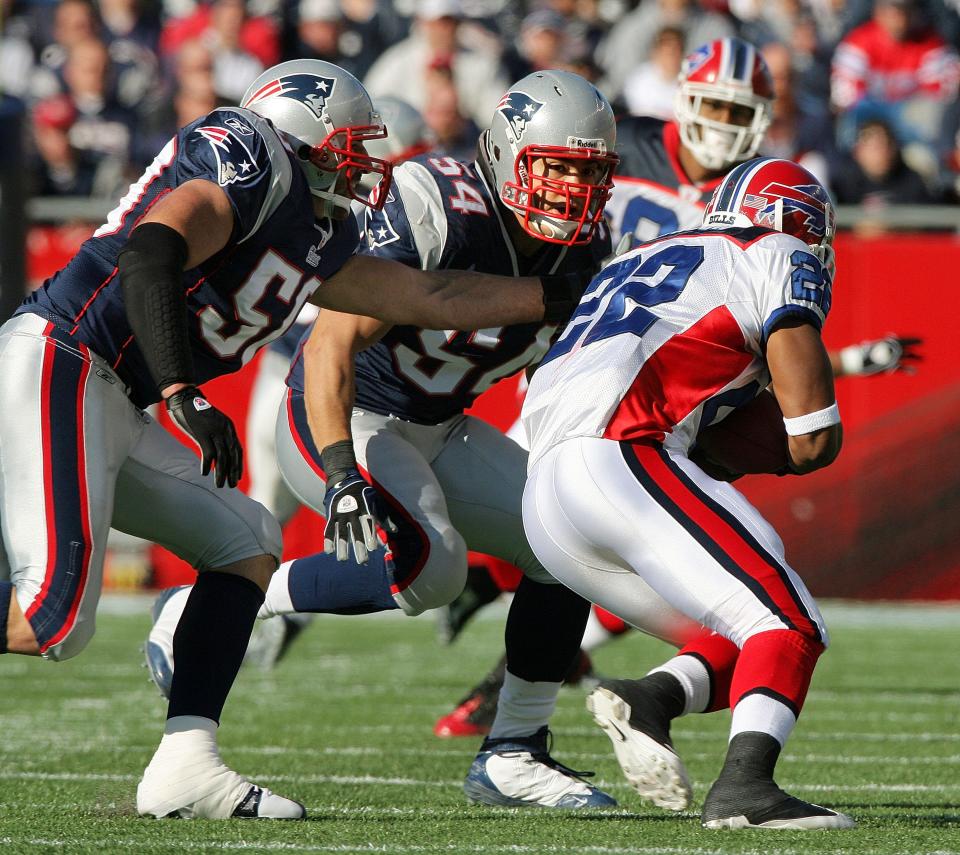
<point>549,119</point>
<point>326,116</point>
<point>407,132</point>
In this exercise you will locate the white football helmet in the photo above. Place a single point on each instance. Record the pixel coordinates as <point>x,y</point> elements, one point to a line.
<point>552,115</point>
<point>729,70</point>
<point>326,116</point>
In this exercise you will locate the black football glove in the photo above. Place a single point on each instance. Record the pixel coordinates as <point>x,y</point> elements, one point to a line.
<point>352,508</point>
<point>881,356</point>
<point>212,431</point>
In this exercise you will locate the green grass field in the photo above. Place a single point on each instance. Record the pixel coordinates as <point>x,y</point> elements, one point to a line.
<point>344,724</point>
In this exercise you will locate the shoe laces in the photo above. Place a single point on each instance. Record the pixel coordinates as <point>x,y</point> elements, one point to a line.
<point>538,746</point>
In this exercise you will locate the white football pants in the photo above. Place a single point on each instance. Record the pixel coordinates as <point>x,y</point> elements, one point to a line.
<point>629,525</point>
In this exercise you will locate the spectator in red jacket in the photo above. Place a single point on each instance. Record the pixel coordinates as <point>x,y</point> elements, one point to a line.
<point>895,67</point>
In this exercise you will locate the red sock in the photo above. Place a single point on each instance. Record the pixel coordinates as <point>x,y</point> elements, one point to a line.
<point>719,657</point>
<point>778,663</point>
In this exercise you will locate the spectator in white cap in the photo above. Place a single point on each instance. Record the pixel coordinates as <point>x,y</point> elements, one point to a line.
<point>434,41</point>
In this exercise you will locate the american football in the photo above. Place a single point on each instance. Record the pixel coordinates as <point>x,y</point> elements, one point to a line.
<point>751,440</point>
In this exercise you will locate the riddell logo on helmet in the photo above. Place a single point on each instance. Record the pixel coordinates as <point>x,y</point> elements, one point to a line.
<point>518,109</point>
<point>596,144</point>
<point>310,90</point>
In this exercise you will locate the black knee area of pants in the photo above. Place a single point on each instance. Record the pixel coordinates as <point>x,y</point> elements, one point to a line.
<point>210,641</point>
<point>544,630</point>
<point>6,592</point>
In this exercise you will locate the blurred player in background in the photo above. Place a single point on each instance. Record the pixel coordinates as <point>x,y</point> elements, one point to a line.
<point>664,339</point>
<point>232,228</point>
<point>667,173</point>
<point>531,203</point>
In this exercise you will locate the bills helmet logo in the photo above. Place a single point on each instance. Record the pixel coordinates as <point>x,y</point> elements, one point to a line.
<point>761,189</point>
<point>696,60</point>
<point>518,109</point>
<point>236,164</point>
<point>310,90</point>
<point>805,202</point>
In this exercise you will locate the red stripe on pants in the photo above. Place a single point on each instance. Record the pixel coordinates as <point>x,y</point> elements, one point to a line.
<point>731,542</point>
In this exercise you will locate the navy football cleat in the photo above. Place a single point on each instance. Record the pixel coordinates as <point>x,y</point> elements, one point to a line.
<point>519,772</point>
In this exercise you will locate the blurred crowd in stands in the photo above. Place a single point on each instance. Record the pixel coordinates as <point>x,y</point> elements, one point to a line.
<point>866,89</point>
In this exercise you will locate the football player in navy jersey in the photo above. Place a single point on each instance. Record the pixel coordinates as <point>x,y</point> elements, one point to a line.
<point>386,401</point>
<point>242,216</point>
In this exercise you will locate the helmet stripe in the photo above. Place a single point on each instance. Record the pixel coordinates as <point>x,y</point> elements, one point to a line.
<point>739,59</point>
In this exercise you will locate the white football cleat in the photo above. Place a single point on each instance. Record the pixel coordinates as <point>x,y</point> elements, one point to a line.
<point>158,651</point>
<point>519,772</point>
<point>653,769</point>
<point>186,778</point>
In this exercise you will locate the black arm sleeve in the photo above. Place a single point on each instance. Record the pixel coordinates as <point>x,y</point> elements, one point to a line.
<point>151,278</point>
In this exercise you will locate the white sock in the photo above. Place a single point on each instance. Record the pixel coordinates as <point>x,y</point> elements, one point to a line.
<point>695,679</point>
<point>759,713</point>
<point>277,600</point>
<point>187,774</point>
<point>596,634</point>
<point>523,707</point>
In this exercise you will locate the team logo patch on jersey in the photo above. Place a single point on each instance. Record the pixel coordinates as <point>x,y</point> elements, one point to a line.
<point>803,201</point>
<point>380,232</point>
<point>235,162</point>
<point>518,109</point>
<point>310,90</point>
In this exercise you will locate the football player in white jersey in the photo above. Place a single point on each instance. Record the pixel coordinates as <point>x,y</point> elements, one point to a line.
<point>667,339</point>
<point>667,173</point>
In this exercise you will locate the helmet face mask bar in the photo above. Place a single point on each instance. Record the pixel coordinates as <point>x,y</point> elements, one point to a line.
<point>558,210</point>
<point>325,115</point>
<point>340,161</point>
<point>727,71</point>
<point>549,151</point>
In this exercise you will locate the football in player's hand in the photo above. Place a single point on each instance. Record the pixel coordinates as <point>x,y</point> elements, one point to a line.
<point>751,440</point>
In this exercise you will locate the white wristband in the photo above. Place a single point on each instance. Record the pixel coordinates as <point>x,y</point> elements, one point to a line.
<point>813,421</point>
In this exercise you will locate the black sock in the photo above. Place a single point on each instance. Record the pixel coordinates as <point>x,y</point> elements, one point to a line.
<point>752,755</point>
<point>6,593</point>
<point>544,630</point>
<point>478,592</point>
<point>210,641</point>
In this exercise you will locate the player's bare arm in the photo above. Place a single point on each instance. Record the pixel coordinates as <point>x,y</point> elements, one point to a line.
<point>329,374</point>
<point>444,299</point>
<point>803,384</point>
<point>184,229</point>
<point>350,503</point>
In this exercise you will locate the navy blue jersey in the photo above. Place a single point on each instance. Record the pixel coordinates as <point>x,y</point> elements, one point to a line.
<point>441,214</point>
<point>652,194</point>
<point>240,299</point>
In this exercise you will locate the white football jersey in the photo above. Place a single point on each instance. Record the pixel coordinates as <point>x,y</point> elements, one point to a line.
<point>671,337</point>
